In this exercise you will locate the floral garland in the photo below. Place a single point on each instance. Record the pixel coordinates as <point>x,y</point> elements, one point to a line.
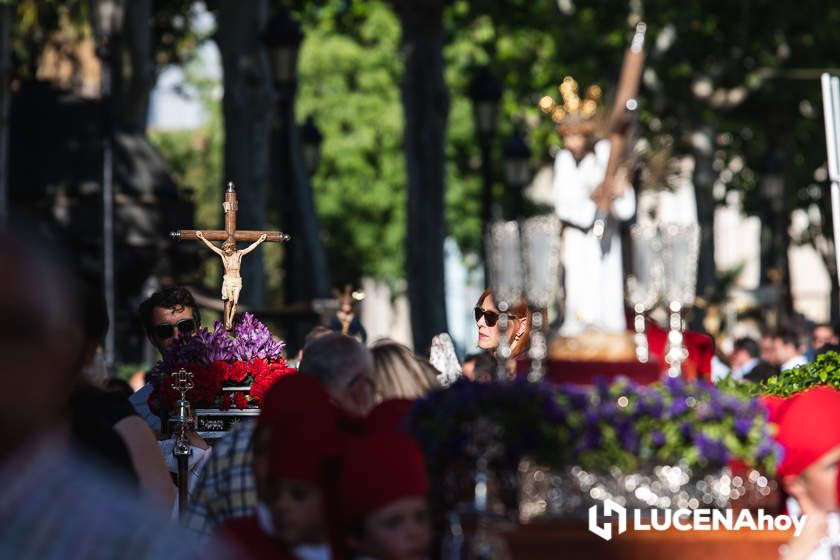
<point>619,424</point>
<point>251,357</point>
<point>825,370</point>
<point>627,425</point>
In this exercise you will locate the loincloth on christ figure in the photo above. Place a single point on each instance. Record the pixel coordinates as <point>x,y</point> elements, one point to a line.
<point>231,286</point>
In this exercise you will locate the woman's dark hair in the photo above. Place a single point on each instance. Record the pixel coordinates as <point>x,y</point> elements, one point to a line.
<point>174,297</point>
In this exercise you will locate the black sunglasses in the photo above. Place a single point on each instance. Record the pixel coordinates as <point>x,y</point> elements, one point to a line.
<point>166,331</point>
<point>490,317</point>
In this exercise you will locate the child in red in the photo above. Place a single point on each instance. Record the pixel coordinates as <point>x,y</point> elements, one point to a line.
<point>809,433</point>
<point>294,476</point>
<point>382,497</point>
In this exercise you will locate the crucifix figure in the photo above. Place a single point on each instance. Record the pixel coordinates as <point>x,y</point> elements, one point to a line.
<point>231,258</point>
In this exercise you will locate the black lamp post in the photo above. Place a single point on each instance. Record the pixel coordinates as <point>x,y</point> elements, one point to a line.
<point>311,137</point>
<point>106,19</point>
<point>485,91</point>
<point>283,37</point>
<point>517,169</point>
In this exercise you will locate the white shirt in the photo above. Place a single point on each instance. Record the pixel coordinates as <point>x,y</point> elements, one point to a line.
<point>740,372</point>
<point>796,361</point>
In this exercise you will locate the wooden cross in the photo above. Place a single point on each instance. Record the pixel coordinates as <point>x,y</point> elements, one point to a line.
<point>231,258</point>
<point>230,233</point>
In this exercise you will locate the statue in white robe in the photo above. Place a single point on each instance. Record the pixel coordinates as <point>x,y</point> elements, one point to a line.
<point>594,276</point>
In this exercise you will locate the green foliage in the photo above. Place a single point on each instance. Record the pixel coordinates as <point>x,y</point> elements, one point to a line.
<point>173,38</point>
<point>738,388</point>
<point>349,83</point>
<point>825,370</point>
<point>195,157</point>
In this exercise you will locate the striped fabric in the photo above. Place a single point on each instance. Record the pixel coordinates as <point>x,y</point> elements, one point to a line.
<point>226,489</point>
<point>57,505</point>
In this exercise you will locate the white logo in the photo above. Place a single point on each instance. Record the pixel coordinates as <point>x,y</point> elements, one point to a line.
<point>605,531</point>
<point>689,520</point>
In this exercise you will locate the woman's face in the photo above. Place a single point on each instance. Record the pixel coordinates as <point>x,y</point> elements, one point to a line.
<point>488,335</point>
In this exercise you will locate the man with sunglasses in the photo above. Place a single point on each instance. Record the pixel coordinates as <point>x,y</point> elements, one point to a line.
<point>166,315</point>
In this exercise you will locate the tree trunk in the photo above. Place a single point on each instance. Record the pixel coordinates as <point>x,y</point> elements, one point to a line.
<point>703,179</point>
<point>138,78</point>
<point>306,275</point>
<point>426,107</point>
<point>247,116</point>
<point>775,240</point>
<point>309,254</point>
<point>5,99</point>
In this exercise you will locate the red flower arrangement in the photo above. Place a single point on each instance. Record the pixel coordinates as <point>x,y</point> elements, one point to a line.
<point>250,358</point>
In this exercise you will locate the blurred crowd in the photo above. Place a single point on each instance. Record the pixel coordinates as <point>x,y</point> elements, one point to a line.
<point>327,469</point>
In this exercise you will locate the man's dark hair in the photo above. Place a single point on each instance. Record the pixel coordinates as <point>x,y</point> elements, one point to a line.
<point>173,297</point>
<point>828,348</point>
<point>748,345</point>
<point>787,336</point>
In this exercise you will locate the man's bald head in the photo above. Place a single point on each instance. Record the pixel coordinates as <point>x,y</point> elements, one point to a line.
<point>344,366</point>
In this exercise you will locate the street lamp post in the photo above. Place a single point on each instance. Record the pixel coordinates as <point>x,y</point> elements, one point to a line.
<point>106,19</point>
<point>282,38</point>
<point>517,170</point>
<point>311,137</point>
<point>485,91</point>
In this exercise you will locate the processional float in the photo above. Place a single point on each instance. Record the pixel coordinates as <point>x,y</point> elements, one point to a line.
<point>187,420</point>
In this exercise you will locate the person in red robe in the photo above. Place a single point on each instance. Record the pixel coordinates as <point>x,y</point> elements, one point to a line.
<point>809,433</point>
<point>382,495</point>
<point>294,477</point>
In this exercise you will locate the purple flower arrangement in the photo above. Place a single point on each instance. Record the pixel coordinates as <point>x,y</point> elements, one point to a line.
<point>251,339</point>
<point>628,425</point>
<point>446,421</point>
<point>611,424</point>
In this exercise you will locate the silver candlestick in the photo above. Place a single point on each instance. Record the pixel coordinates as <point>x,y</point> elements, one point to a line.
<point>182,381</point>
<point>680,247</point>
<point>541,256</point>
<point>504,266</point>
<point>644,286</point>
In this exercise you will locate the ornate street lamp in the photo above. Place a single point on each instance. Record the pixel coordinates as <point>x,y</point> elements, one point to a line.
<point>283,38</point>
<point>485,91</point>
<point>517,169</point>
<point>106,19</point>
<point>311,138</point>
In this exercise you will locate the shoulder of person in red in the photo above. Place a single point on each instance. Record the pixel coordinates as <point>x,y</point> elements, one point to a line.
<point>250,541</point>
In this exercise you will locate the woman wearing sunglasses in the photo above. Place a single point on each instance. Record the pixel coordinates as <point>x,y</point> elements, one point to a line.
<point>487,320</point>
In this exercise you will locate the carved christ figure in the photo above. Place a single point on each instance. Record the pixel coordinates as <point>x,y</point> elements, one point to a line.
<point>232,282</point>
